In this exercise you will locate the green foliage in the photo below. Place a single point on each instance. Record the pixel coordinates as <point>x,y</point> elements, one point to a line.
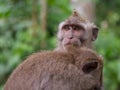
<point>108,43</point>
<point>108,46</point>
<point>18,38</point>
<point>57,12</point>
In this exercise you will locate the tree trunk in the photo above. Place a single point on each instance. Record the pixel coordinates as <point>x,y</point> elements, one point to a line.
<point>43,23</point>
<point>43,14</point>
<point>34,15</point>
<point>34,18</point>
<point>85,7</point>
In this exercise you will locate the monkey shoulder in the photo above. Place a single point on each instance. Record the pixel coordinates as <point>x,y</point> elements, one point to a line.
<point>44,59</point>
<point>49,56</point>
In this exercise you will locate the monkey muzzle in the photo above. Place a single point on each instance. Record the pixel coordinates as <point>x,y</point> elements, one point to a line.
<point>73,41</point>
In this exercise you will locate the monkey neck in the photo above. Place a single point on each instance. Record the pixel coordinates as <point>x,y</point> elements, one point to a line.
<point>60,47</point>
<point>88,44</point>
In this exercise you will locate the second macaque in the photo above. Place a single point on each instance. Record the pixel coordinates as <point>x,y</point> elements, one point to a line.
<point>77,69</point>
<point>76,31</point>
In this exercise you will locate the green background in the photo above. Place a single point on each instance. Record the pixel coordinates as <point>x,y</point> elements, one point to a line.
<point>19,38</point>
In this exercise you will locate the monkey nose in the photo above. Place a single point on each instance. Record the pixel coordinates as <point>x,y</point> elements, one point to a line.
<point>70,37</point>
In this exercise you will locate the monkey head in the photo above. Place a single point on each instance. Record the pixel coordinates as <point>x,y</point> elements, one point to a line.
<point>90,65</point>
<point>76,31</point>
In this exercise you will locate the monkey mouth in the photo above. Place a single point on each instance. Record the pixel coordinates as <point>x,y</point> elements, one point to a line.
<point>72,42</point>
<point>68,43</point>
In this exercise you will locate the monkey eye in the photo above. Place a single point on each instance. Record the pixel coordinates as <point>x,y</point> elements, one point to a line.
<point>76,27</point>
<point>66,27</point>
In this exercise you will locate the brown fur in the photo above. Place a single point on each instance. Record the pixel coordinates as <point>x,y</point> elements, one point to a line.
<point>52,70</point>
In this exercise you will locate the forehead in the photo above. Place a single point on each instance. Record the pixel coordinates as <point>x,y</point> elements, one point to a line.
<point>74,20</point>
<point>71,22</point>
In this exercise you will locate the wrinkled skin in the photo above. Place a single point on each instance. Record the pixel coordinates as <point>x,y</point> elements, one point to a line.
<point>72,35</point>
<point>79,69</point>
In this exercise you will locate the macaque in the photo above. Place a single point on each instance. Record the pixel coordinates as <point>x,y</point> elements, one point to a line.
<point>77,69</point>
<point>76,31</point>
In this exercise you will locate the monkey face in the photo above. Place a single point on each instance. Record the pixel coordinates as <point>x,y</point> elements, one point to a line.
<point>76,31</point>
<point>72,35</point>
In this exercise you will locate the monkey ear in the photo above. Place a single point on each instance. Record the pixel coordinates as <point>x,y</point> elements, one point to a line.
<point>95,31</point>
<point>90,66</point>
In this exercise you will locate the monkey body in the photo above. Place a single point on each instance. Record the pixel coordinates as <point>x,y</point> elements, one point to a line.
<point>75,68</point>
<point>52,70</point>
